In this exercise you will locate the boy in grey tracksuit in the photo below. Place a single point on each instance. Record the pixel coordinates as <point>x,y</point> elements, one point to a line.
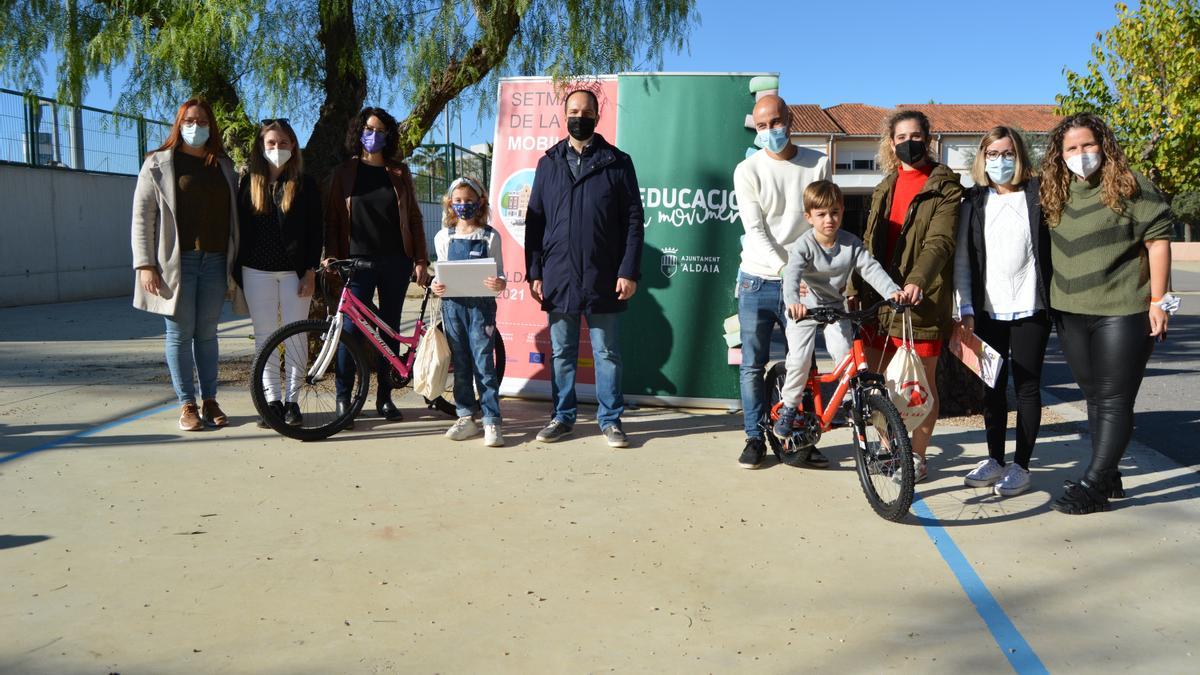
<point>823,258</point>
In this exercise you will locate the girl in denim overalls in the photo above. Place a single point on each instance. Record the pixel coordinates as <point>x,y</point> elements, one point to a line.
<point>470,322</point>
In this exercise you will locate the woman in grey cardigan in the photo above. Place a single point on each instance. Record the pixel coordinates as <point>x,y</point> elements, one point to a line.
<point>185,235</point>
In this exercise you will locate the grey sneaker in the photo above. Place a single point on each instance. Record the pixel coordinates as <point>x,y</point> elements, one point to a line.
<point>985,474</point>
<point>615,437</point>
<point>1014,481</point>
<point>462,429</point>
<point>554,431</point>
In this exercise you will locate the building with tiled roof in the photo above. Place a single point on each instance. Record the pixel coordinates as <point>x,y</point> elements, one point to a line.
<point>849,134</point>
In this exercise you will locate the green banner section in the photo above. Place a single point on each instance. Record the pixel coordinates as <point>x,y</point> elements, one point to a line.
<point>686,133</point>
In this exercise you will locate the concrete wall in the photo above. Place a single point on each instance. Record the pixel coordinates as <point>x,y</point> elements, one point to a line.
<point>64,235</point>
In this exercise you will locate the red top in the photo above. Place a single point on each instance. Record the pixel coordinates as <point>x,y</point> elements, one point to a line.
<point>908,184</point>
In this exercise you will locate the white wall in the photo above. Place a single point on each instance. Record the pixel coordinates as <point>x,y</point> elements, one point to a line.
<point>64,235</point>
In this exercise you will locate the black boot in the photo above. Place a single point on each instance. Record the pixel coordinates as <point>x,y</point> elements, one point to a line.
<point>273,408</point>
<point>291,414</point>
<point>388,410</point>
<point>343,408</point>
<point>1082,497</point>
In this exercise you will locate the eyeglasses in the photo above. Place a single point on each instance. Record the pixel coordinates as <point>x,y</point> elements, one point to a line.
<point>991,154</point>
<point>274,120</point>
<point>197,121</point>
<point>378,130</point>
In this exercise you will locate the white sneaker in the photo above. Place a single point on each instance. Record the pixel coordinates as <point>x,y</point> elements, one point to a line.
<point>984,474</point>
<point>1014,481</point>
<point>463,428</point>
<point>493,436</point>
<point>920,470</point>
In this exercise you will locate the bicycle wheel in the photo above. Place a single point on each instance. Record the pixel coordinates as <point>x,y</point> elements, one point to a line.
<point>287,360</point>
<point>883,456</point>
<point>773,384</point>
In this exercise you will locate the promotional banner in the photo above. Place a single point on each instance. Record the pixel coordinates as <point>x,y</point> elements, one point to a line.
<point>529,121</point>
<point>686,133</point>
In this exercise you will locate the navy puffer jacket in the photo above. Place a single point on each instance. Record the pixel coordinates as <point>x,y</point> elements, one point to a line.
<point>582,234</point>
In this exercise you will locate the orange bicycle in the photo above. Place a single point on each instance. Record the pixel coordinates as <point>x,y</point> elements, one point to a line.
<point>883,452</point>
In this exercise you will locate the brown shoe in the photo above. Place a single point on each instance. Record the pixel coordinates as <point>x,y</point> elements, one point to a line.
<point>189,418</point>
<point>212,413</point>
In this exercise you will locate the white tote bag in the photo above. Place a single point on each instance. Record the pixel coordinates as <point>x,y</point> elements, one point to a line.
<point>906,382</point>
<point>431,365</point>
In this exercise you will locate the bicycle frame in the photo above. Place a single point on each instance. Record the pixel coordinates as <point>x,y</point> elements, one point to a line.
<point>369,324</point>
<point>852,366</point>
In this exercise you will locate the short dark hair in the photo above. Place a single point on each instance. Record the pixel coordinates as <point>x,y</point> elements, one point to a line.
<point>354,132</point>
<point>591,94</point>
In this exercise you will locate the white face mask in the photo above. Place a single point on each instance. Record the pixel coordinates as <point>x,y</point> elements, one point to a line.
<point>1084,164</point>
<point>277,156</point>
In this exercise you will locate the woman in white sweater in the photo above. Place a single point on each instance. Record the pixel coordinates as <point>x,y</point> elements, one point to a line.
<point>1001,281</point>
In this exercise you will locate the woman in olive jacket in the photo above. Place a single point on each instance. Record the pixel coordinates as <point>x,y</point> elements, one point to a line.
<point>911,232</point>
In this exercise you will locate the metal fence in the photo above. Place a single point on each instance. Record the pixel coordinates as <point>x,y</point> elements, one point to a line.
<point>40,131</point>
<point>435,166</point>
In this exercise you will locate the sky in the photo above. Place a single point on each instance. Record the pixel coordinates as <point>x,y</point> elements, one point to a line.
<point>877,52</point>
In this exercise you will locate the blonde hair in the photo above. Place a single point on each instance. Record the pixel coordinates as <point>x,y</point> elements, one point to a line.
<point>1117,184</point>
<point>260,171</point>
<point>821,194</point>
<point>887,153</point>
<point>449,217</point>
<point>1022,169</point>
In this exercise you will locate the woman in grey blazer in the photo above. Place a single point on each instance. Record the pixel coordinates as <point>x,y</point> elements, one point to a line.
<point>185,236</point>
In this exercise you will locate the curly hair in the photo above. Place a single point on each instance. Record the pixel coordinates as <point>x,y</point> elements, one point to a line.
<point>887,152</point>
<point>449,217</point>
<point>354,132</point>
<point>1117,184</point>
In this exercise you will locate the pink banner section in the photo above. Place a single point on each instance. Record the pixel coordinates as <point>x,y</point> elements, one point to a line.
<point>529,121</point>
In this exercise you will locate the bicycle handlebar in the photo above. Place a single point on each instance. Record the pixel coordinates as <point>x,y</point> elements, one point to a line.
<point>342,267</point>
<point>833,314</point>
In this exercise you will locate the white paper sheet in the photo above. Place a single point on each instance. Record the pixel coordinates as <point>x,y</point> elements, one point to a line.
<point>464,278</point>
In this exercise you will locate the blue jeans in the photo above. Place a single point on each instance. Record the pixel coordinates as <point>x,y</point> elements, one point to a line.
<point>760,310</point>
<point>391,276</point>
<point>470,325</point>
<point>564,340</point>
<point>191,340</point>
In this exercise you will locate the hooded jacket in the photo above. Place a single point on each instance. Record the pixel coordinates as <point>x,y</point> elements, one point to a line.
<point>581,234</point>
<point>924,253</point>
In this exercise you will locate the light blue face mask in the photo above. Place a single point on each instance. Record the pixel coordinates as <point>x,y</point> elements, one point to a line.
<point>194,134</point>
<point>773,139</point>
<point>1001,169</point>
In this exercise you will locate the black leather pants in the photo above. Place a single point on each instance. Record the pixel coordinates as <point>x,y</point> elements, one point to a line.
<point>1107,355</point>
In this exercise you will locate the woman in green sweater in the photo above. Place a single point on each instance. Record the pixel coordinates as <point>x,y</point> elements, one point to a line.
<point>1110,235</point>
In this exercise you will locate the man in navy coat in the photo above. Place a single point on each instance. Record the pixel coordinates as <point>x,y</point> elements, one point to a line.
<point>583,252</point>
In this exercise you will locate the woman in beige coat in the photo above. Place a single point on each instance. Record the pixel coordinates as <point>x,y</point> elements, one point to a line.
<point>185,235</point>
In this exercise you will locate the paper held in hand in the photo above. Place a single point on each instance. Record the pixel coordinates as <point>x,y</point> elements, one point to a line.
<point>978,356</point>
<point>464,278</point>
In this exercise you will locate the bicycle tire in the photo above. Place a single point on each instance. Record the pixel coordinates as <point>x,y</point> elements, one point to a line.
<point>890,471</point>
<point>773,385</point>
<point>315,332</point>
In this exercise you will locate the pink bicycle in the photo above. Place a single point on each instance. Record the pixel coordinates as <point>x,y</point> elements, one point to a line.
<point>302,356</point>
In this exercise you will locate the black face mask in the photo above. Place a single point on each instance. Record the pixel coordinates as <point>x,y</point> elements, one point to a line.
<point>581,128</point>
<point>911,152</point>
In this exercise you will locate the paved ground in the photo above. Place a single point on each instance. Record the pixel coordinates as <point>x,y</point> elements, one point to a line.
<point>127,546</point>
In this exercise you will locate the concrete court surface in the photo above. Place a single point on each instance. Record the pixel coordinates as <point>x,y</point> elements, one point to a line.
<point>127,546</point>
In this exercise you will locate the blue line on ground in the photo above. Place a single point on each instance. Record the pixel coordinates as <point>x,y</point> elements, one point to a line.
<point>88,432</point>
<point>1018,652</point>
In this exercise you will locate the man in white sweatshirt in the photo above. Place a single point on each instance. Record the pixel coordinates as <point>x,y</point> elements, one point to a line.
<point>770,191</point>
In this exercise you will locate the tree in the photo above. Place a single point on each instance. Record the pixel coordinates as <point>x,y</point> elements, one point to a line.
<point>323,58</point>
<point>1143,79</point>
<point>1187,206</point>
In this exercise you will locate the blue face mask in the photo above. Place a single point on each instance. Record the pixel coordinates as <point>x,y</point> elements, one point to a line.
<point>194,134</point>
<point>1001,169</point>
<point>774,139</point>
<point>465,210</point>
